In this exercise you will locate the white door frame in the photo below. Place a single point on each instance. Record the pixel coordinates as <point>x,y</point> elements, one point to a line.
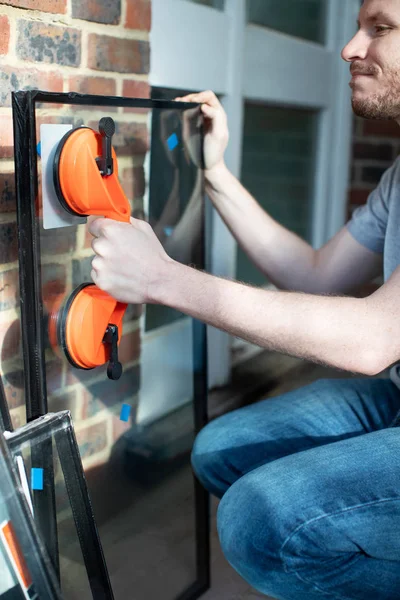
<point>198,47</point>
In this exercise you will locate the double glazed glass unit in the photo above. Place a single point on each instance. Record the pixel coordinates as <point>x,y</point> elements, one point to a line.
<point>134,438</point>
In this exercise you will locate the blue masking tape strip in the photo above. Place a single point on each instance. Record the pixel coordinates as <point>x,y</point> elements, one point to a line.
<point>39,148</point>
<point>172,141</point>
<point>125,412</point>
<point>36,479</point>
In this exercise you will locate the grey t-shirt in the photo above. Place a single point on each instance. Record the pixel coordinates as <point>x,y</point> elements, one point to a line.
<point>377,224</point>
<point>377,227</point>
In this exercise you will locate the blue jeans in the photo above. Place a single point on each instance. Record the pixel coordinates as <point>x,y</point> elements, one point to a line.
<point>310,488</point>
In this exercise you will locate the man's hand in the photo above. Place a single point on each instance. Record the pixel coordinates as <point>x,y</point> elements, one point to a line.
<point>216,127</point>
<point>129,259</point>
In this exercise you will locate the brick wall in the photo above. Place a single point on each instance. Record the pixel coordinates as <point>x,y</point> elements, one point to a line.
<point>89,46</point>
<point>376,144</point>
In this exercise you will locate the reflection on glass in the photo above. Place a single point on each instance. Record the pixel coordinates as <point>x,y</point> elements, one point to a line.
<point>36,444</point>
<point>277,169</point>
<point>25,569</point>
<point>304,19</point>
<point>139,474</point>
<point>175,204</point>
<point>219,4</point>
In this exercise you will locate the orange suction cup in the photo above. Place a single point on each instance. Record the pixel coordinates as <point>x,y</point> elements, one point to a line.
<point>89,326</point>
<point>85,173</point>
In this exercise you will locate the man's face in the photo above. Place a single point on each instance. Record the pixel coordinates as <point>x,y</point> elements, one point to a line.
<point>374,54</point>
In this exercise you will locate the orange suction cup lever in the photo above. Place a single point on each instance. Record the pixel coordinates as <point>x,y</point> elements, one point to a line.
<point>85,173</point>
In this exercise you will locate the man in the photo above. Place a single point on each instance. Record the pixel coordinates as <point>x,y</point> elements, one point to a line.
<point>309,482</point>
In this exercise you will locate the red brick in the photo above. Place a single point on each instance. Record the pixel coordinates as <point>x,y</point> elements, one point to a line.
<point>92,439</point>
<point>133,182</point>
<point>13,383</point>
<point>67,401</point>
<point>8,242</point>
<point>10,336</point>
<point>369,151</point>
<point>54,370</point>
<point>108,53</point>
<point>138,14</point>
<point>52,6</point>
<point>4,34</point>
<point>129,138</point>
<point>99,86</point>
<point>7,193</point>
<point>81,270</point>
<point>136,89</point>
<point>54,280</point>
<point>359,196</point>
<point>85,376</point>
<point>9,289</point>
<point>372,174</point>
<point>129,347</point>
<point>6,137</point>
<point>99,11</point>
<point>58,241</point>
<point>44,42</point>
<point>381,128</point>
<point>88,239</point>
<point>133,312</point>
<point>12,80</point>
<point>110,395</point>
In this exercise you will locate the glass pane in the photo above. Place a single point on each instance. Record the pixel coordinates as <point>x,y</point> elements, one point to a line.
<point>174,199</point>
<point>25,569</point>
<point>36,444</point>
<point>219,4</point>
<point>139,474</point>
<point>278,170</point>
<point>304,19</point>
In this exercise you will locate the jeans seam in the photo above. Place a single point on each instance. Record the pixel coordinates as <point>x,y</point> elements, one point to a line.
<point>319,589</point>
<point>288,569</point>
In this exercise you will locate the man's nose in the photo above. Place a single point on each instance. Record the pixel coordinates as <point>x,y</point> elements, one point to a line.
<point>357,48</point>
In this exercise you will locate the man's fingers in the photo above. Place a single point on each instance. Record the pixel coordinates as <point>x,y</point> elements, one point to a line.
<point>209,111</point>
<point>96,227</point>
<point>96,264</point>
<point>202,97</point>
<point>97,246</point>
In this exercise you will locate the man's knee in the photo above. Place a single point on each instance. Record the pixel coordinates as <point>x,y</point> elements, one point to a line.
<point>250,530</point>
<point>209,455</point>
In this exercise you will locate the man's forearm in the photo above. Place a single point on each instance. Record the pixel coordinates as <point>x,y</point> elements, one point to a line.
<point>335,331</point>
<point>287,260</point>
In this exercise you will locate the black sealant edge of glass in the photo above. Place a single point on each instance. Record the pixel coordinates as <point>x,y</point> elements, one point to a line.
<point>200,405</point>
<point>5,417</point>
<point>85,522</point>
<point>91,99</point>
<point>26,187</point>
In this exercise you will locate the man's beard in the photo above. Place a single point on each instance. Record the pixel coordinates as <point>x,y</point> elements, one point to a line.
<point>380,106</point>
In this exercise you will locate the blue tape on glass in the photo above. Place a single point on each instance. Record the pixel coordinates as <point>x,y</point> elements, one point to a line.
<point>36,479</point>
<point>125,412</point>
<point>39,148</point>
<point>172,141</point>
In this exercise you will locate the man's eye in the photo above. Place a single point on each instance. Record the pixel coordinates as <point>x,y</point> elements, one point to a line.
<point>379,29</point>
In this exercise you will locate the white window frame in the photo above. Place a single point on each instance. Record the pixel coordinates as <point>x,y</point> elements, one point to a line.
<point>198,47</point>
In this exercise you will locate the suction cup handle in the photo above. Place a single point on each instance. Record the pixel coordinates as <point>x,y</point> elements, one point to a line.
<point>114,369</point>
<point>105,161</point>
